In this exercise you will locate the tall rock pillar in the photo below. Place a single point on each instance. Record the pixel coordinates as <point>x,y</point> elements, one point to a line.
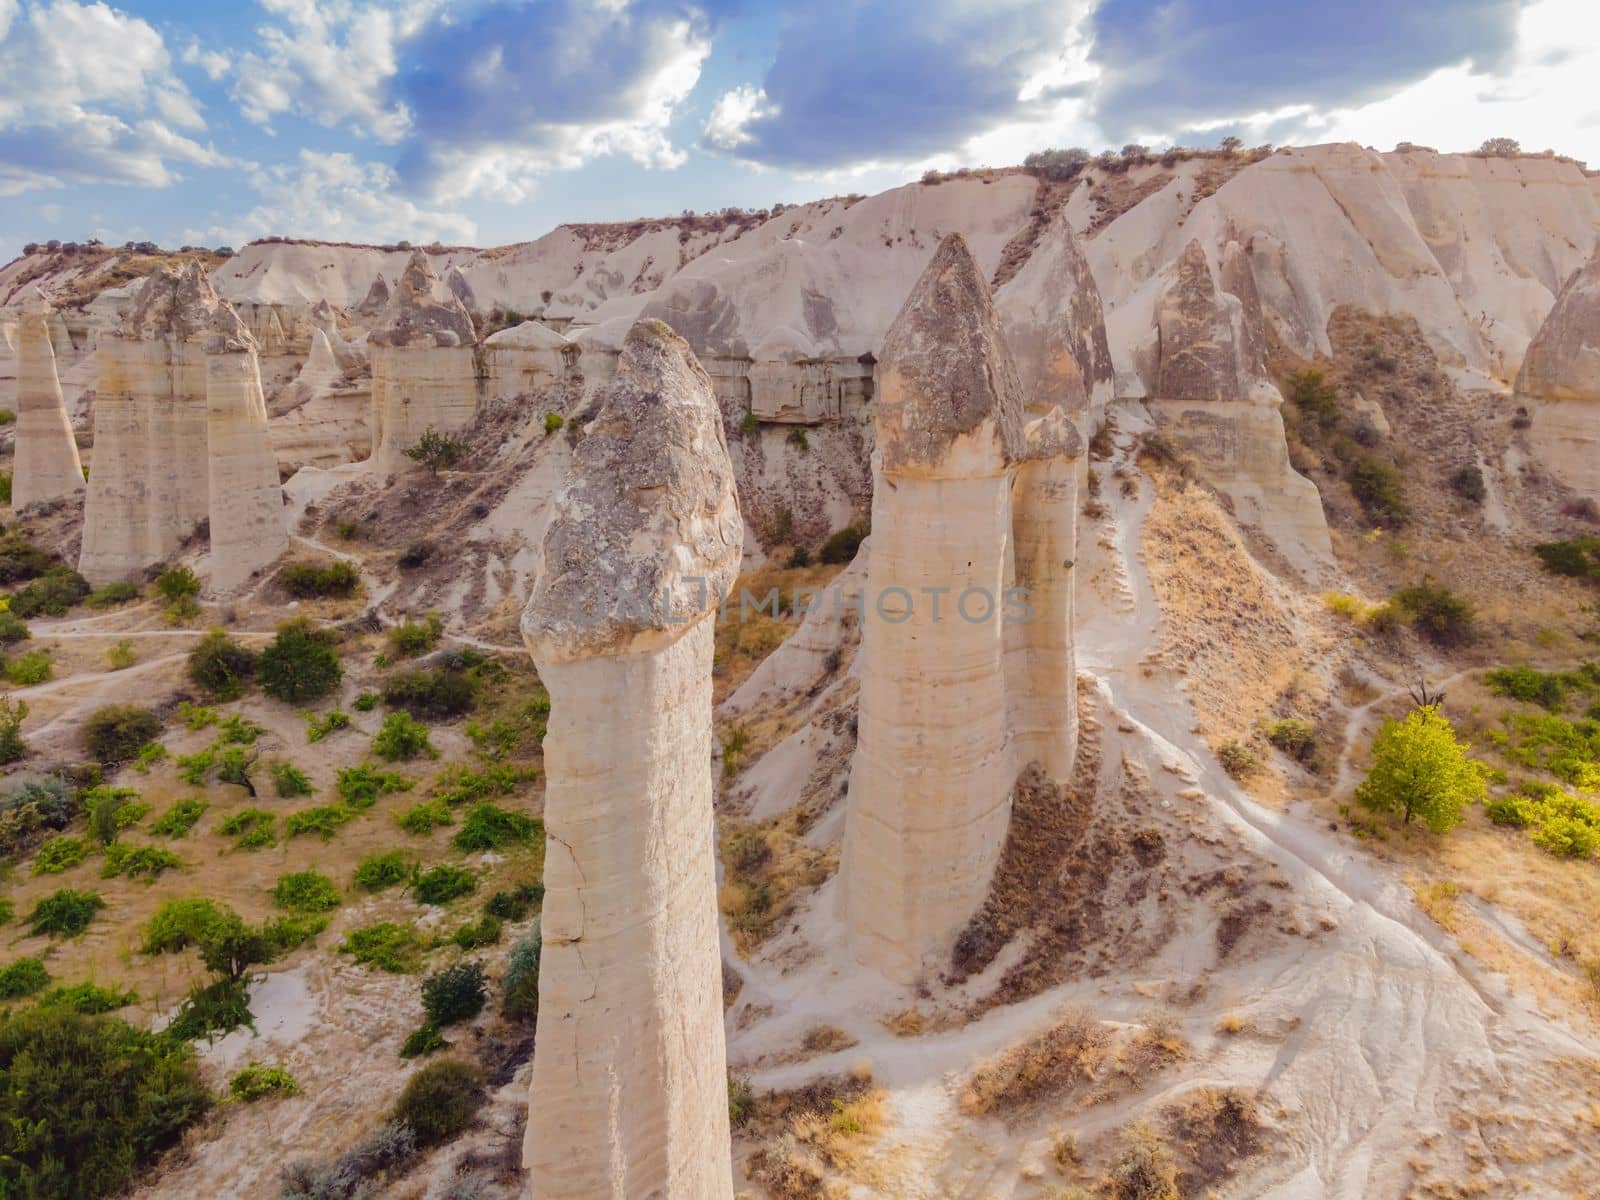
<point>47,465</point>
<point>248,530</point>
<point>930,785</point>
<point>629,1090</point>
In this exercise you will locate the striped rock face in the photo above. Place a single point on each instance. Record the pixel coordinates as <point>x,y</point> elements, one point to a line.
<point>47,465</point>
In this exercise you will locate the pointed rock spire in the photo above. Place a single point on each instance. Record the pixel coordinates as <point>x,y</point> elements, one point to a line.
<point>415,316</point>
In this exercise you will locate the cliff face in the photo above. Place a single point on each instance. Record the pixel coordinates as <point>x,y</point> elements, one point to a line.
<point>1561,378</point>
<point>46,466</point>
<point>644,537</point>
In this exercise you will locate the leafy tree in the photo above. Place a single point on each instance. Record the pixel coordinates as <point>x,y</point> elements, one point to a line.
<point>300,664</point>
<point>12,714</point>
<point>437,451</point>
<point>440,1100</point>
<point>221,666</point>
<point>1502,146</point>
<point>177,584</point>
<point>457,993</point>
<point>1419,769</point>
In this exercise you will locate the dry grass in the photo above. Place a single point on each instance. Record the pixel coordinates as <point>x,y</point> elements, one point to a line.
<point>1213,1130</point>
<point>827,1126</point>
<point>766,864</point>
<point>1064,1059</point>
<point>746,636</point>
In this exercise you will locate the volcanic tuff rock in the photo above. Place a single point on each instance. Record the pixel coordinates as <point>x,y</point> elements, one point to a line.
<point>629,1088</point>
<point>46,465</point>
<point>930,785</point>
<point>248,529</point>
<point>1561,376</point>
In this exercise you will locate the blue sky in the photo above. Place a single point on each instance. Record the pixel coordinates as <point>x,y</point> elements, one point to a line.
<point>490,121</point>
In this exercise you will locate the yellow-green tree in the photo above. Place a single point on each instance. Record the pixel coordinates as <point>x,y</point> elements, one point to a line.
<point>1419,769</point>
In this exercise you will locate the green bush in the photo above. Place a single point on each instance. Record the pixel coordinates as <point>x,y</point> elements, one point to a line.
<point>389,947</point>
<point>253,826</point>
<point>1514,811</point>
<point>515,904</point>
<point>318,728</point>
<point>1379,488</point>
<point>366,702</point>
<point>1419,769</point>
<point>1437,613</point>
<point>220,666</point>
<point>116,733</point>
<point>52,594</point>
<point>289,780</point>
<point>86,998</point>
<point>21,560</point>
<point>1238,760</point>
<point>213,1009</point>
<point>29,669</point>
<point>256,1082</point>
<point>379,871</point>
<point>552,422</point>
<point>488,827</point>
<point>60,854</point>
<point>474,935</point>
<point>324,821</point>
<point>1467,482</point>
<point>402,738</point>
<point>176,585</point>
<point>138,862</point>
<point>842,545</point>
<point>422,1041</point>
<point>521,984</point>
<point>13,747</point>
<point>1578,558</point>
<point>361,785</point>
<point>111,810</point>
<point>300,664</point>
<point>437,451</point>
<point>1315,399</point>
<point>1548,689</point>
<point>310,581</point>
<point>440,1101</point>
<point>457,993</point>
<point>749,424</point>
<point>521,731</point>
<point>424,818</point>
<point>113,594</point>
<point>13,629</point>
<point>1295,737</point>
<point>305,891</point>
<point>442,884</point>
<point>179,924</point>
<point>411,639</point>
<point>22,978</point>
<point>458,784</point>
<point>86,1103</point>
<point>64,913</point>
<point>435,694</point>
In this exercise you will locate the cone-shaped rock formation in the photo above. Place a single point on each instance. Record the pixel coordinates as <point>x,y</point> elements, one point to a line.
<point>1561,375</point>
<point>629,1077</point>
<point>47,465</point>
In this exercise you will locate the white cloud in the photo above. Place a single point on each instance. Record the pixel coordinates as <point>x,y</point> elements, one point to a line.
<point>336,197</point>
<point>215,63</point>
<point>333,61</point>
<point>725,127</point>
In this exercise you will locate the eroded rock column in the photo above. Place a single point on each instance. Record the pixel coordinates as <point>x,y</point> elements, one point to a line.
<point>248,530</point>
<point>930,784</point>
<point>47,466</point>
<point>1560,376</point>
<point>629,1089</point>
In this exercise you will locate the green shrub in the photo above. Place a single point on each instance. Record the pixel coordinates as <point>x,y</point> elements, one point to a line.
<point>457,993</point>
<point>256,1082</point>
<point>474,935</point>
<point>552,422</point>
<point>842,545</point>
<point>522,731</point>
<point>1577,558</point>
<point>458,784</point>
<point>440,1101</point>
<point>116,733</point>
<point>435,694</point>
<point>1546,689</point>
<point>413,638</point>
<point>391,1147</point>
<point>111,810</point>
<point>113,594</point>
<point>60,854</point>
<point>422,1041</point>
<point>22,978</point>
<point>1565,836</point>
<point>179,819</point>
<point>213,1009</point>
<point>13,747</point>
<point>13,629</point>
<point>177,584</point>
<point>1238,760</point>
<point>366,702</point>
<point>29,669</point>
<point>1437,613</point>
<point>289,780</point>
<point>310,581</point>
<point>361,785</point>
<point>305,891</point>
<point>121,656</point>
<point>1420,770</point>
<point>138,862</point>
<point>179,924</point>
<point>402,738</point>
<point>1295,737</point>
<point>1514,811</point>
<point>318,728</point>
<point>86,1103</point>
<point>1315,399</point>
<point>288,932</point>
<point>442,884</point>
<point>515,904</point>
<point>424,818</point>
<point>389,947</point>
<point>21,560</point>
<point>488,827</point>
<point>1467,482</point>
<point>1380,489</point>
<point>324,821</point>
<point>300,664</point>
<point>220,666</point>
<point>521,984</point>
<point>437,451</point>
<point>379,871</point>
<point>52,594</point>
<point>64,913</point>
<point>87,999</point>
<point>254,825</point>
<point>749,424</point>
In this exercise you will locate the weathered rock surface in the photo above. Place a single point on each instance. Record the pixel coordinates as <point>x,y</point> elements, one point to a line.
<point>930,785</point>
<point>47,466</point>
<point>629,1089</point>
<point>1561,377</point>
<point>424,371</point>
